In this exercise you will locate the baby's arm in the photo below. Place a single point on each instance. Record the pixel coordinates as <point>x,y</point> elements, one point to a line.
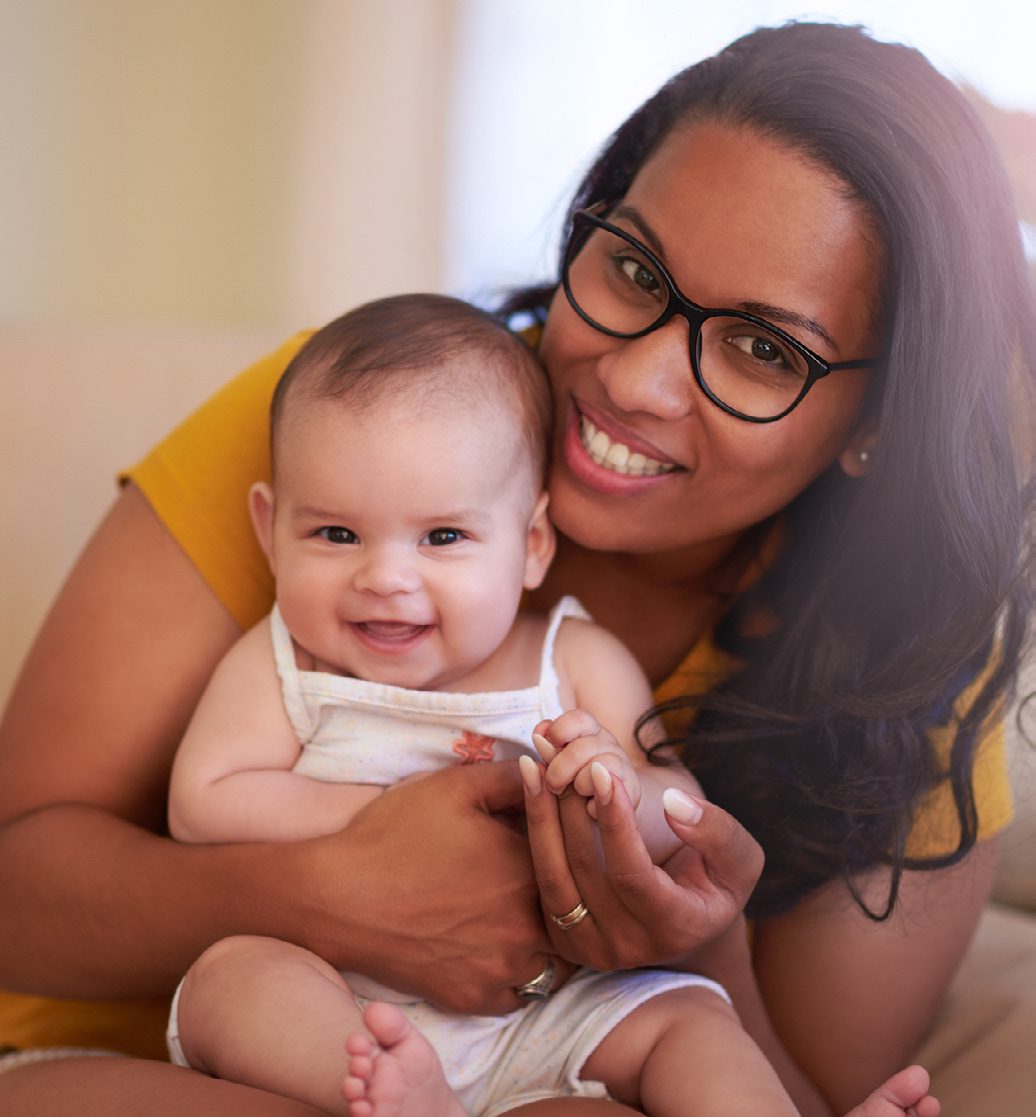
<point>232,779</point>
<point>610,693</point>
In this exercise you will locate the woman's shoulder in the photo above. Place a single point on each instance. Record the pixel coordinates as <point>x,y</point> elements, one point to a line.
<point>197,478</point>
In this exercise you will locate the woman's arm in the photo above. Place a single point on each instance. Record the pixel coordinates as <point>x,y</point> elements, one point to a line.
<point>835,1001</point>
<point>852,999</point>
<point>99,903</point>
<point>232,778</point>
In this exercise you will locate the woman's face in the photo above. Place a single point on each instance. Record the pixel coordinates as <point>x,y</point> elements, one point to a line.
<point>742,222</point>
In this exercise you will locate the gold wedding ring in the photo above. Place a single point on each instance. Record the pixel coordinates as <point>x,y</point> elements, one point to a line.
<point>572,918</point>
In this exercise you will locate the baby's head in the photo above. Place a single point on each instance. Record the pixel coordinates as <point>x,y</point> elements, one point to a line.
<point>407,513</point>
<point>427,351</point>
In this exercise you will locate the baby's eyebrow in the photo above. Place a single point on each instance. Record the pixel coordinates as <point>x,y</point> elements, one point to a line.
<point>460,516</point>
<point>309,512</point>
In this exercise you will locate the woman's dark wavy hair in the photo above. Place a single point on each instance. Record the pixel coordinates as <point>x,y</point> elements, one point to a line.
<point>892,592</point>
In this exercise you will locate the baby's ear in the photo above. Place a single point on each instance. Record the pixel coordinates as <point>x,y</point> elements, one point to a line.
<point>260,505</point>
<point>539,544</point>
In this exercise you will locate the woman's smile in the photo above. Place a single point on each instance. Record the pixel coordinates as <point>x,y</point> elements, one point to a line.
<point>618,456</point>
<point>609,459</point>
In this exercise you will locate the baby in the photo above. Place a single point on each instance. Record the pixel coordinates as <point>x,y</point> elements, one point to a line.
<point>405,519</point>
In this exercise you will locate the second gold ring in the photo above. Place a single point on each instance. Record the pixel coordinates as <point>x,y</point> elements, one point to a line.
<point>572,918</point>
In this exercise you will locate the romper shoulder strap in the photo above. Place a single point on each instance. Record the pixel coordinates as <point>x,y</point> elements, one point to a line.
<point>550,700</point>
<point>291,684</point>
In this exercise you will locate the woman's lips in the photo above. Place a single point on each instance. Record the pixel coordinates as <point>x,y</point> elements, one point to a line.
<point>603,461</point>
<point>617,456</point>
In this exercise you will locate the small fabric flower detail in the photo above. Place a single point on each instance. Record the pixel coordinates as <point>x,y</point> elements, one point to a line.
<point>473,748</point>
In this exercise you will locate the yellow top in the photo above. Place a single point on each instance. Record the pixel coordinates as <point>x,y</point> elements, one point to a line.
<point>197,481</point>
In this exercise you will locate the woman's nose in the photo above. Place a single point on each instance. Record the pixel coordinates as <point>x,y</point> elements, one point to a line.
<point>385,571</point>
<point>652,374</point>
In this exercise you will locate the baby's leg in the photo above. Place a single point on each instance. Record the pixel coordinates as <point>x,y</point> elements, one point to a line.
<point>684,1053</point>
<point>269,1014</point>
<point>403,1079</point>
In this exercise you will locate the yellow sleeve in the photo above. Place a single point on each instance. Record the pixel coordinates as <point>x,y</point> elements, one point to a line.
<point>197,481</point>
<point>132,1027</point>
<point>936,829</point>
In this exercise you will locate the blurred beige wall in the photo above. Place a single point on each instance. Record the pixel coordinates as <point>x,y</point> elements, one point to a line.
<point>181,184</point>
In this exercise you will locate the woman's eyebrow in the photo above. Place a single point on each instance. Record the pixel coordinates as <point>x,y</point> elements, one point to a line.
<point>779,315</point>
<point>637,219</point>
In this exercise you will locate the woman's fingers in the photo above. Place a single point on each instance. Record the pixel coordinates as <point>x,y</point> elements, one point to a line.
<point>569,871</point>
<point>495,788</point>
<point>638,913</point>
<point>700,890</point>
<point>558,892</point>
<point>474,946</point>
<point>716,846</point>
<point>629,864</point>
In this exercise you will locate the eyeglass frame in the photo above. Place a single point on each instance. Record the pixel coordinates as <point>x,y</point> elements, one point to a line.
<point>695,316</point>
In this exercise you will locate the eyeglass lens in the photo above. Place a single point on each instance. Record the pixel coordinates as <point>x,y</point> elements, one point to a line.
<point>742,364</point>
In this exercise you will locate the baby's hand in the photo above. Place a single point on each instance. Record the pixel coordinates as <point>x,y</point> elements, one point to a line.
<point>571,744</point>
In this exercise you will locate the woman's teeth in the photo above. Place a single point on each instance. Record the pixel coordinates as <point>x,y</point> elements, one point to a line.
<point>616,456</point>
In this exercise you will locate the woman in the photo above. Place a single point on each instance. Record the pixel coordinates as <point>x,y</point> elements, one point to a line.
<point>850,537</point>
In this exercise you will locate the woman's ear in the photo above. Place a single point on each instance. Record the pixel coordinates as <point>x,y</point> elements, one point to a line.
<point>539,544</point>
<point>260,505</point>
<point>857,459</point>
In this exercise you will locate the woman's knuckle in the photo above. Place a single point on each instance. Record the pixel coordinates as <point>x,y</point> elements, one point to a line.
<point>550,882</point>
<point>582,859</point>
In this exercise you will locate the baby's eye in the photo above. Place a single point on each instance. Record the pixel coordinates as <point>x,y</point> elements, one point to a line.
<point>443,536</point>
<point>338,535</point>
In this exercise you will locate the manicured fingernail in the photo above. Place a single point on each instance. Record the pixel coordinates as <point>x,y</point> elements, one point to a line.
<point>530,771</point>
<point>544,747</point>
<point>602,781</point>
<point>681,806</point>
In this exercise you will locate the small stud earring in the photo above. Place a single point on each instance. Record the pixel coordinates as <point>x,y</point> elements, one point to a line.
<point>864,457</point>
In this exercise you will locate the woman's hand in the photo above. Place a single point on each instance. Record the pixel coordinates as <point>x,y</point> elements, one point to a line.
<point>570,745</point>
<point>639,914</point>
<point>439,891</point>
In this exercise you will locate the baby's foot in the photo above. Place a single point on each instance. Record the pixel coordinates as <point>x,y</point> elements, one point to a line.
<point>402,1079</point>
<point>904,1093</point>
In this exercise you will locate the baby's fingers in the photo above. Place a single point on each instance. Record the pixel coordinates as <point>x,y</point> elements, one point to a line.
<point>568,766</point>
<point>566,728</point>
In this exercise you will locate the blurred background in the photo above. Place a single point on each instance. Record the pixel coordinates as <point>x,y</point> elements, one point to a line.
<point>184,183</point>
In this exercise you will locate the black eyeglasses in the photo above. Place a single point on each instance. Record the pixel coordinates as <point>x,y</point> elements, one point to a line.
<point>744,364</point>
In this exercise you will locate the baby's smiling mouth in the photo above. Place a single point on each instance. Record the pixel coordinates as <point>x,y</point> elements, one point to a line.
<point>390,631</point>
<point>617,456</point>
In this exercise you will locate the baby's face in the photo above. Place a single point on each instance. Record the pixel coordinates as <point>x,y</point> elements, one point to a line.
<point>400,538</point>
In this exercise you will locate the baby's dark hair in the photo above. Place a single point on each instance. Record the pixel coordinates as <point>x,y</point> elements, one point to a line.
<point>411,347</point>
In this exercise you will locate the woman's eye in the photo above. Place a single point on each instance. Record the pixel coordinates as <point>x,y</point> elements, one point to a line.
<point>638,273</point>
<point>763,349</point>
<point>338,535</point>
<point>443,536</point>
